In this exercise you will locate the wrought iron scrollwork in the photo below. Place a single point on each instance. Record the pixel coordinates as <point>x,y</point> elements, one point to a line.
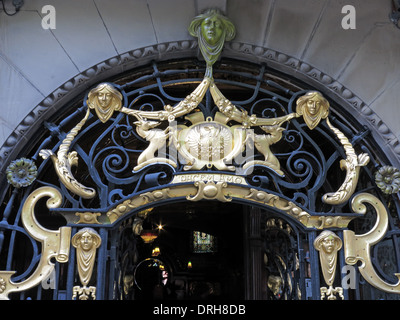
<point>175,135</point>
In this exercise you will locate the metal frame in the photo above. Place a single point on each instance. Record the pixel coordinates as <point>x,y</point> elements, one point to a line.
<point>107,150</point>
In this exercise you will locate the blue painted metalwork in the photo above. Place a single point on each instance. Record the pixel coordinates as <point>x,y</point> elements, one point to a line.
<point>107,153</point>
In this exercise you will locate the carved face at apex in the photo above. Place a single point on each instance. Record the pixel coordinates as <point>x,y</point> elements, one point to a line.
<point>212,29</point>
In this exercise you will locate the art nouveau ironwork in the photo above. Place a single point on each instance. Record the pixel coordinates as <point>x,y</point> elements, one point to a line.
<point>165,135</point>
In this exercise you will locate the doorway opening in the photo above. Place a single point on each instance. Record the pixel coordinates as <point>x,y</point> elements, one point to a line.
<point>198,254</point>
<point>209,251</point>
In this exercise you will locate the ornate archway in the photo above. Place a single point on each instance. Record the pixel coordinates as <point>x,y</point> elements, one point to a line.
<point>165,133</point>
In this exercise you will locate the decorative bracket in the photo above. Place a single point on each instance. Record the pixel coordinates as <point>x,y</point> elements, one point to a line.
<point>358,247</point>
<point>55,244</point>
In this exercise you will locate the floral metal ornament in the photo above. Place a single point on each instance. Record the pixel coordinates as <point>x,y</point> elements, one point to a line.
<point>55,243</point>
<point>21,172</point>
<point>387,178</point>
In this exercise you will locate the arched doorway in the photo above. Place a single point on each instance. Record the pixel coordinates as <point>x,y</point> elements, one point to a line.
<point>213,251</point>
<point>201,248</point>
<point>307,165</point>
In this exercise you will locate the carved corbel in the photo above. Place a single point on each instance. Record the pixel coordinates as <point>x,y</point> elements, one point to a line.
<point>55,244</point>
<point>358,247</point>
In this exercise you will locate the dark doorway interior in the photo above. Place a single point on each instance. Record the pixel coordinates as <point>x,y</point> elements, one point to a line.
<point>200,253</point>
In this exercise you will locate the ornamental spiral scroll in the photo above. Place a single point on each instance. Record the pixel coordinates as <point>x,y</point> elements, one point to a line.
<point>55,244</point>
<point>233,139</point>
<point>357,247</point>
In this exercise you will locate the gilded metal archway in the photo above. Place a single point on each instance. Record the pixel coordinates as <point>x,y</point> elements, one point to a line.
<point>136,143</point>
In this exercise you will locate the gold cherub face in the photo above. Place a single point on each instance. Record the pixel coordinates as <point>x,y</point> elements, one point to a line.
<point>104,99</point>
<point>328,244</point>
<point>313,107</point>
<point>86,241</point>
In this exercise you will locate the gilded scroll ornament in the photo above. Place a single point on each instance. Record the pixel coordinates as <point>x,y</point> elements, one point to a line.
<point>55,243</point>
<point>357,247</point>
<point>104,99</point>
<point>21,172</point>
<point>232,112</point>
<point>209,186</point>
<point>352,165</point>
<point>387,178</point>
<point>86,242</point>
<point>65,160</point>
<point>314,107</point>
<point>328,244</point>
<point>170,113</point>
